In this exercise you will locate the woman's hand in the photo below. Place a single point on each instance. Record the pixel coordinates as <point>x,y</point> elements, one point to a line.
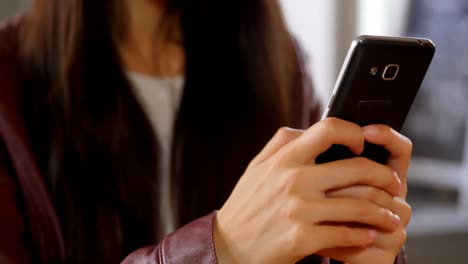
<point>387,244</point>
<point>279,211</point>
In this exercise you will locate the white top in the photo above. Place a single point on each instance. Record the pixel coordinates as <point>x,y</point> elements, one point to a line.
<point>160,98</point>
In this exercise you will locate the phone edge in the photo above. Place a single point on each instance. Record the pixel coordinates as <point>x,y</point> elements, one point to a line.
<point>344,68</point>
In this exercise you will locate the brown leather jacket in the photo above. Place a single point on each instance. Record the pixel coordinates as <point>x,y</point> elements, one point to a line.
<point>29,228</point>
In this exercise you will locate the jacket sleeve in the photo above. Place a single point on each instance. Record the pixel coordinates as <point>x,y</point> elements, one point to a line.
<point>192,243</point>
<point>12,248</point>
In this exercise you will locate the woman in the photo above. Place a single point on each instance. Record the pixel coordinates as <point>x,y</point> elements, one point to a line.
<point>123,120</point>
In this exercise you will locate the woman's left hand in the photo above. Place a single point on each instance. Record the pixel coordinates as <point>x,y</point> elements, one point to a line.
<point>387,245</point>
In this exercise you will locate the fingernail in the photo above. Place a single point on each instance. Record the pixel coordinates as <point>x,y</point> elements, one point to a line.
<point>400,185</point>
<point>372,234</point>
<point>396,220</point>
<point>370,130</point>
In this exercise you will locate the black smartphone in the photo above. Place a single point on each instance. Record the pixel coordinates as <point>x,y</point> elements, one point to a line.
<point>377,85</point>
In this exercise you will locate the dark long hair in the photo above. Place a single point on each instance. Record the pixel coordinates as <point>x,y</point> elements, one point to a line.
<point>95,145</point>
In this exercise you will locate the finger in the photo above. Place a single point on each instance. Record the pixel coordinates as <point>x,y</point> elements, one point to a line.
<point>308,181</point>
<point>367,255</point>
<point>392,241</point>
<point>351,210</point>
<point>399,146</point>
<point>402,209</point>
<point>376,195</point>
<point>322,136</point>
<point>358,171</point>
<point>282,137</point>
<point>385,246</point>
<point>331,237</point>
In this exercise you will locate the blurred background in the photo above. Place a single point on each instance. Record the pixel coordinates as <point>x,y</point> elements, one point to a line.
<point>437,124</point>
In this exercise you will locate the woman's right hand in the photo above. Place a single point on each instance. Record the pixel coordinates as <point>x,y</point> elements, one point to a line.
<point>279,211</point>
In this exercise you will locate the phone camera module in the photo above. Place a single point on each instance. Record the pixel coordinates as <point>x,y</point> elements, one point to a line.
<point>374,71</point>
<point>390,72</point>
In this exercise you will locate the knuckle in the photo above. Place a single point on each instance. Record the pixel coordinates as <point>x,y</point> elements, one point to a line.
<point>283,133</point>
<point>329,126</point>
<point>408,146</point>
<point>293,210</point>
<point>372,194</point>
<point>291,179</point>
<point>333,121</point>
<point>388,179</point>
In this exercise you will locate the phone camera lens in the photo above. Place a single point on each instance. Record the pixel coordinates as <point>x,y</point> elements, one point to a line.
<point>391,72</point>
<point>374,71</point>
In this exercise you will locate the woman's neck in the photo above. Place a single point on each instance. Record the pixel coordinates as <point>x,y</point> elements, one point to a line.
<point>148,43</point>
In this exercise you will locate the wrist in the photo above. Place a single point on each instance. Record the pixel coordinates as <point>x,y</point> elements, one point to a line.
<point>222,249</point>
